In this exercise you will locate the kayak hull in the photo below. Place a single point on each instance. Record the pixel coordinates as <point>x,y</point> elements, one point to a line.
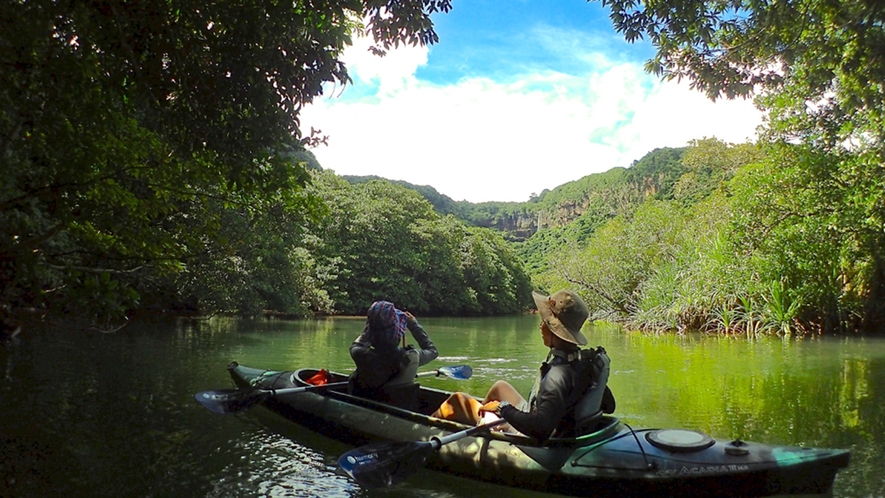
<point>613,460</point>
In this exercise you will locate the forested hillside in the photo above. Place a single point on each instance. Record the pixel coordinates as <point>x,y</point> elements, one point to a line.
<point>728,239</point>
<point>569,212</point>
<point>590,199</point>
<point>712,236</point>
<point>150,164</point>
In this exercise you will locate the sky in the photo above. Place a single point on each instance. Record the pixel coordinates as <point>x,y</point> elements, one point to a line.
<point>518,96</point>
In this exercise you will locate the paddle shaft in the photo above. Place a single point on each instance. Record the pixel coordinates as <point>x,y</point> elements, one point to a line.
<point>434,373</point>
<point>294,390</point>
<point>439,441</point>
<point>378,465</point>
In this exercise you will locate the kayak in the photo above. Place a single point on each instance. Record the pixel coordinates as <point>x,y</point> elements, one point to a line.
<point>611,459</point>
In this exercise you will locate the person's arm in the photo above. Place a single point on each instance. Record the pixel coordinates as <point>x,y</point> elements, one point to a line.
<point>550,407</point>
<point>427,351</point>
<point>360,348</point>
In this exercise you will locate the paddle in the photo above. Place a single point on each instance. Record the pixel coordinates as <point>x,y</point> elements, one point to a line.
<point>384,464</point>
<point>457,372</point>
<point>226,401</point>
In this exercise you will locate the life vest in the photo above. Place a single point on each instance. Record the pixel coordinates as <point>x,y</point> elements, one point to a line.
<point>396,384</point>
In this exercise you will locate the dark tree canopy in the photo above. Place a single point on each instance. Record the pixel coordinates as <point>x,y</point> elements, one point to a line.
<point>729,47</point>
<point>123,125</point>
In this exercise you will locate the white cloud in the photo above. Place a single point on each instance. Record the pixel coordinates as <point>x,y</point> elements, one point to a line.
<point>483,140</point>
<point>392,72</point>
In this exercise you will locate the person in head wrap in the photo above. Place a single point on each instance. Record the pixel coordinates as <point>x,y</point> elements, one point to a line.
<point>385,366</point>
<point>570,390</point>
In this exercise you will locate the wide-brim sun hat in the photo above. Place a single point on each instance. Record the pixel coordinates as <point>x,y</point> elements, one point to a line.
<point>565,314</point>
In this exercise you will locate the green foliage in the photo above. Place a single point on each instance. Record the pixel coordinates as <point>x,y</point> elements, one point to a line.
<point>370,227</point>
<point>260,260</point>
<point>686,263</point>
<point>747,245</point>
<point>130,133</point>
<point>815,67</point>
<point>442,204</point>
<point>152,156</point>
<point>708,164</point>
<point>536,249</point>
<point>808,241</point>
<point>650,243</point>
<point>573,211</point>
<point>609,185</point>
<point>570,212</point>
<point>780,309</point>
<point>390,244</point>
<point>515,217</point>
<point>729,48</point>
<point>622,255</point>
<point>656,173</point>
<point>493,274</point>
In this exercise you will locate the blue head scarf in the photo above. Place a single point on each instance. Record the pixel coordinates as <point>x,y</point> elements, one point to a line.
<point>385,324</point>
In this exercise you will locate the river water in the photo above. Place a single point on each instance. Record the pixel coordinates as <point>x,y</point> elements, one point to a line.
<point>94,415</point>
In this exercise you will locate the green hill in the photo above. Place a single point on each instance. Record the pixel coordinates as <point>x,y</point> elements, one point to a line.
<point>578,206</point>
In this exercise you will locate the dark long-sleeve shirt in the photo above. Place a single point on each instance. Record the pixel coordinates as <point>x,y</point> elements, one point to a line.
<point>552,407</point>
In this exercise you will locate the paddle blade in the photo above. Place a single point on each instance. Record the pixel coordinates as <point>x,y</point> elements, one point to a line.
<point>458,372</point>
<point>384,464</point>
<point>229,400</point>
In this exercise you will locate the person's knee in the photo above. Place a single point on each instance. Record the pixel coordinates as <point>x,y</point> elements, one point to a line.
<point>500,387</point>
<point>500,390</point>
<point>456,399</point>
<point>459,406</point>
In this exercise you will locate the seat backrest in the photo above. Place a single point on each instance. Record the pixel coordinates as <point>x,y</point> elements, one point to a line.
<point>408,370</point>
<point>590,406</point>
<point>402,389</point>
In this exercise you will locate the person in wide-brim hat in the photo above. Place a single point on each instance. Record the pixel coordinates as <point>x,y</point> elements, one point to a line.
<point>565,314</point>
<point>566,378</point>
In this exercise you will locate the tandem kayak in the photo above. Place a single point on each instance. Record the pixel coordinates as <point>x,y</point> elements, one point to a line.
<point>612,459</point>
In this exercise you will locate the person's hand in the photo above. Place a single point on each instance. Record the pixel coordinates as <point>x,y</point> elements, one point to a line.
<point>491,407</point>
<point>409,315</point>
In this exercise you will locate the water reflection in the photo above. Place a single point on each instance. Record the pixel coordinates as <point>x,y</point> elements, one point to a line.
<point>85,414</point>
<point>278,466</point>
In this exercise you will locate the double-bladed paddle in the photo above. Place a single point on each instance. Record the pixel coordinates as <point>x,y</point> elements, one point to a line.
<point>383,464</point>
<point>225,401</point>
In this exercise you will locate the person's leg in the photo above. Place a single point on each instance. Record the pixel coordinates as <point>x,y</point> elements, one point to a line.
<point>464,408</point>
<point>459,407</point>
<point>503,391</point>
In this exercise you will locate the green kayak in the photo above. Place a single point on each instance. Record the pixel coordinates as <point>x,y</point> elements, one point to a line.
<point>612,459</point>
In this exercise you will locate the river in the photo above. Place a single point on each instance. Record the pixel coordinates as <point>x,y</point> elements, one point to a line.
<point>94,415</point>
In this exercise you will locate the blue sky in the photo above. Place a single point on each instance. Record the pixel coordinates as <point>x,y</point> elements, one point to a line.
<point>518,96</point>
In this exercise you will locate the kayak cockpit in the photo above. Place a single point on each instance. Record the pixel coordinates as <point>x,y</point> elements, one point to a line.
<point>429,399</point>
